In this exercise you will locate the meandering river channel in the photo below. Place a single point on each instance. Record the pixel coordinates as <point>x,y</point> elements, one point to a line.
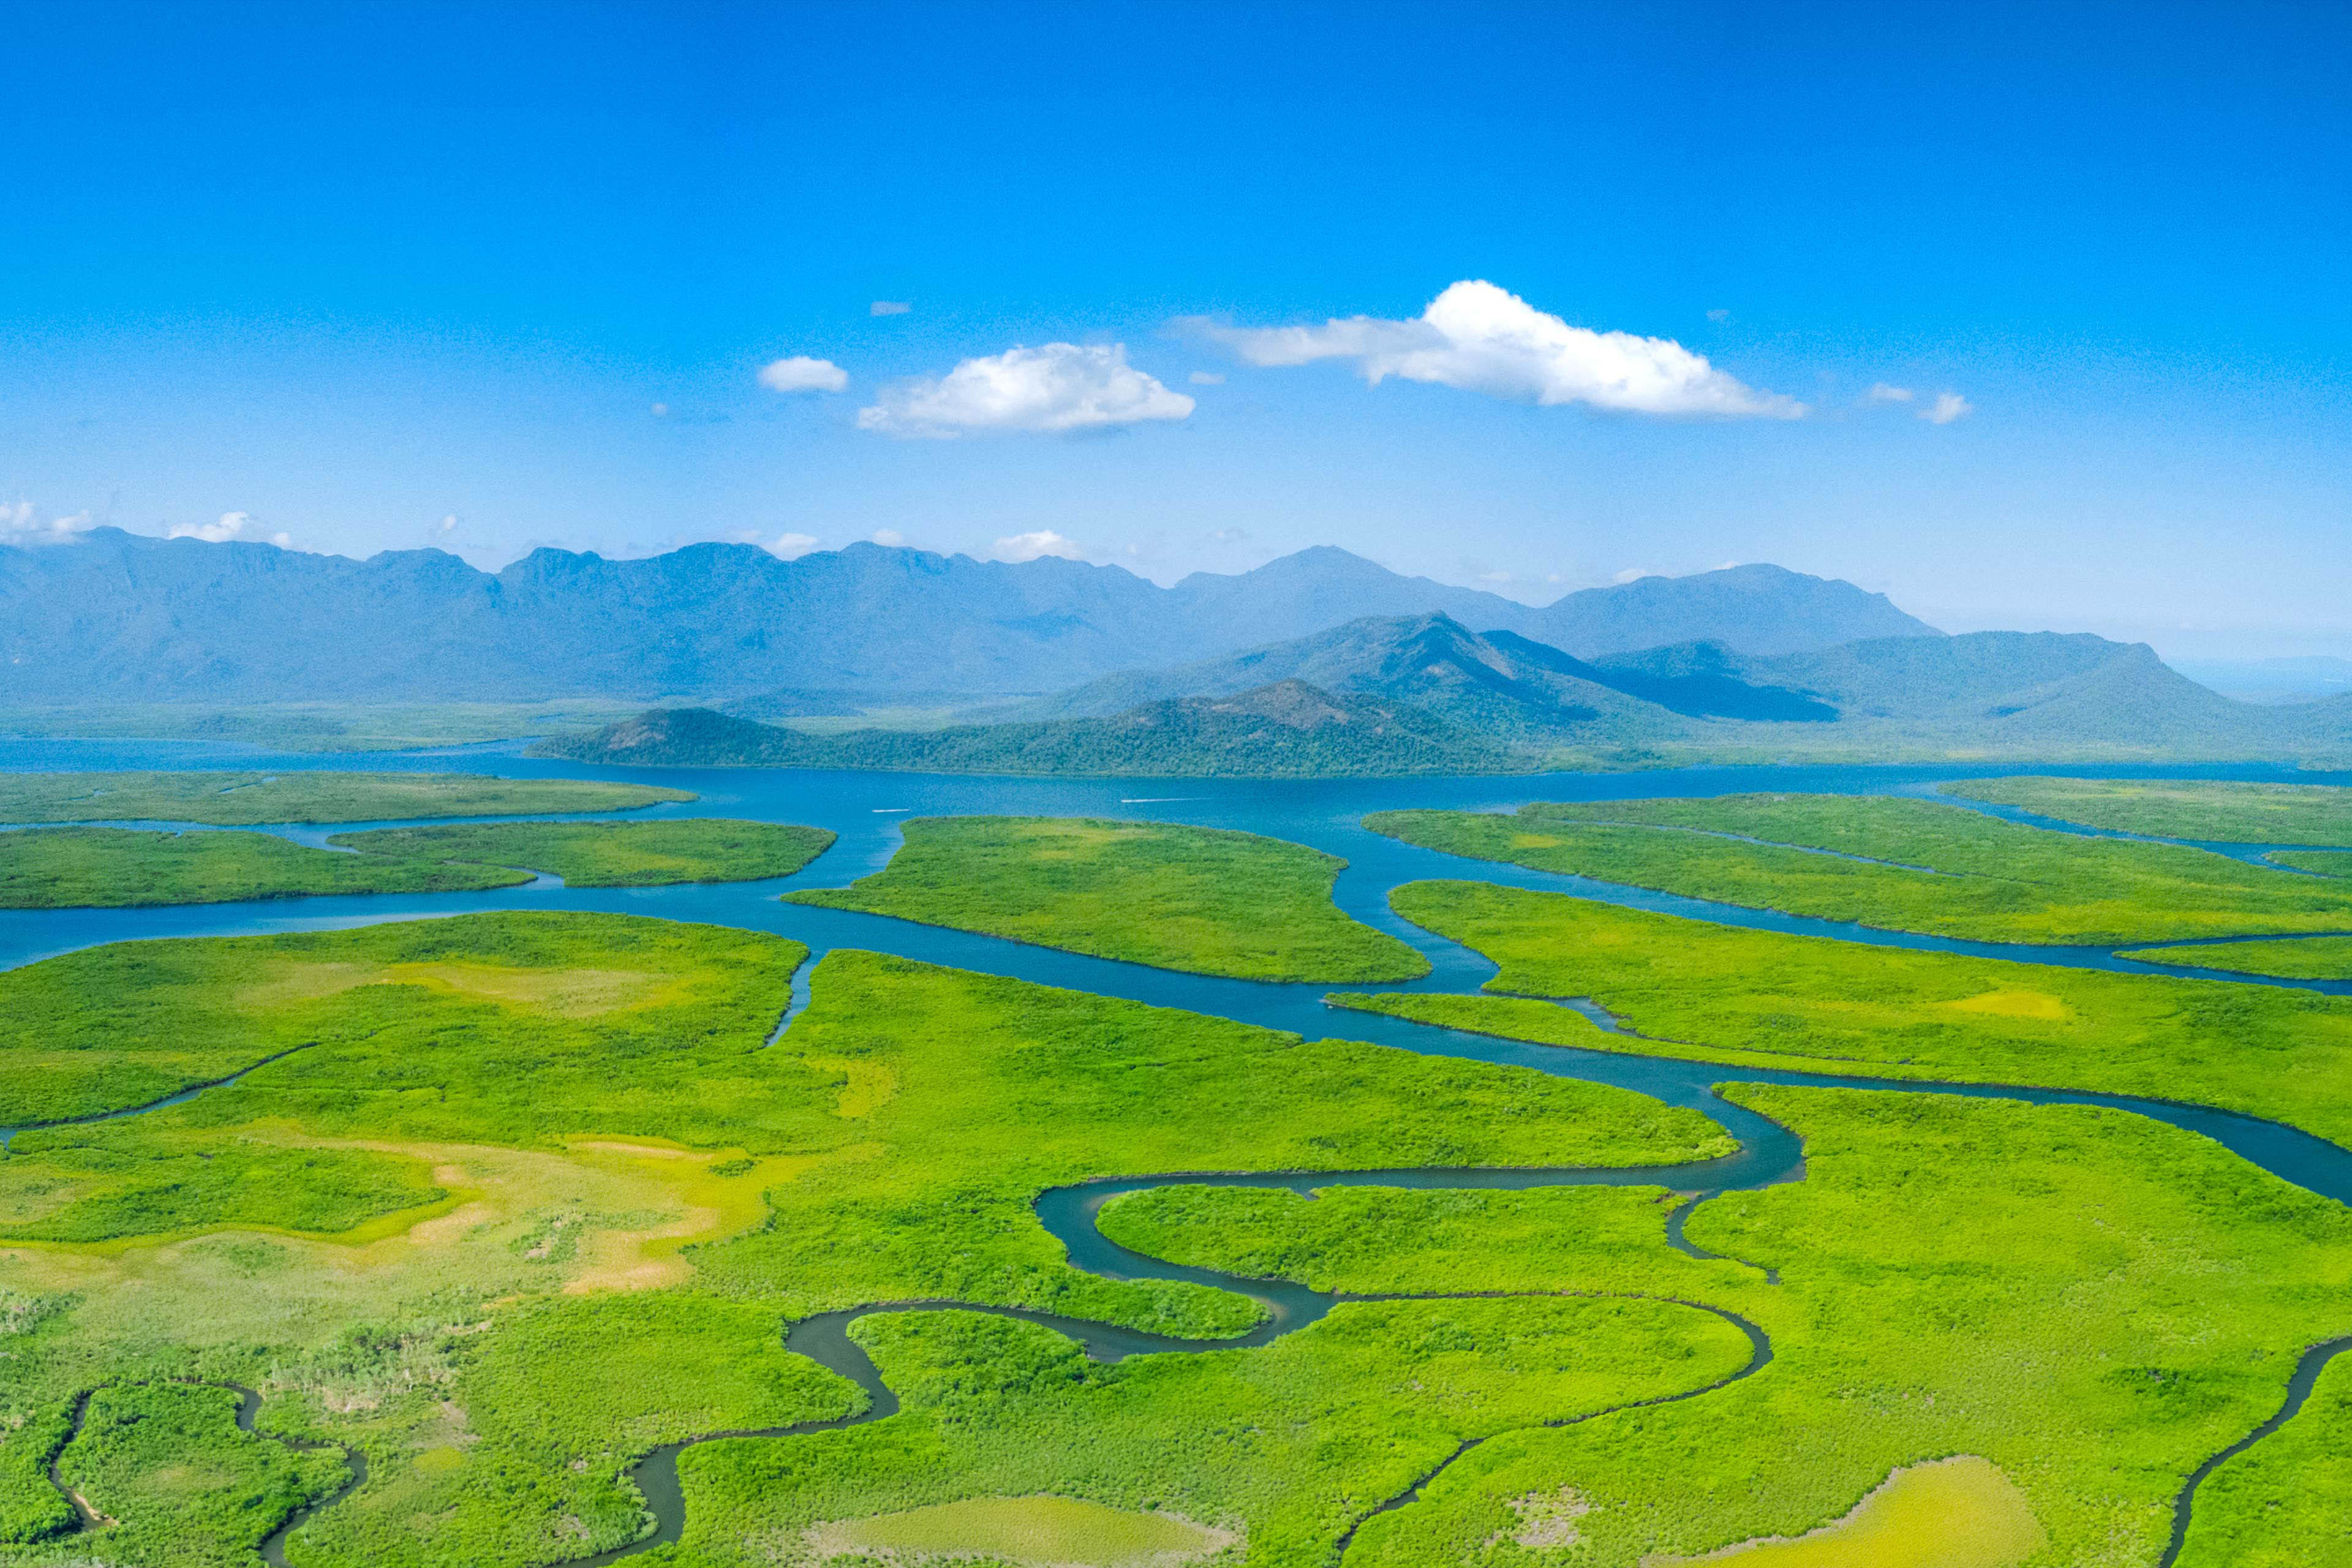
<point>865,809</point>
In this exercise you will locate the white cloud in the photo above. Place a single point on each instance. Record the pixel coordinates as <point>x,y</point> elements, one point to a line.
<point>802,373</point>
<point>1881,393</point>
<point>1057,387</point>
<point>791,546</point>
<point>231,525</point>
<point>1206,378</point>
<point>889,536</point>
<point>888,308</point>
<point>1948,406</point>
<point>661,410</point>
<point>21,524</point>
<point>1030,546</point>
<point>1631,575</point>
<point>1718,316</point>
<point>1480,338</point>
<point>450,523</point>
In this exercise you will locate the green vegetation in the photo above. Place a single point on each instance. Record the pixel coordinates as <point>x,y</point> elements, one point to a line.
<point>318,726</point>
<point>1900,863</point>
<point>1194,899</point>
<point>2286,1502</point>
<point>2204,809</point>
<point>166,1465</point>
<point>2302,958</point>
<point>58,868</point>
<point>31,1509</point>
<point>1766,999</point>
<point>2089,1302</point>
<point>246,799</point>
<point>1287,730</point>
<point>525,1465</point>
<point>2325,862</point>
<point>512,1028</point>
<point>69,867</point>
<point>611,853</point>
<point>1284,1448</point>
<point>103,1180</point>
<point>505,1110</point>
<point>1033,1087</point>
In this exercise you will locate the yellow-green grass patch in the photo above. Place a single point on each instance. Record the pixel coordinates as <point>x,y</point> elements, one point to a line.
<point>1960,1512</point>
<point>1043,1532</point>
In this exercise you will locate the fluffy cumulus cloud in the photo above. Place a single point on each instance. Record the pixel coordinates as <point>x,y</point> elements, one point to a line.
<point>1031,546</point>
<point>230,525</point>
<point>1056,387</point>
<point>1484,339</point>
<point>22,523</point>
<point>790,546</point>
<point>889,537</point>
<point>802,373</point>
<point>1948,406</point>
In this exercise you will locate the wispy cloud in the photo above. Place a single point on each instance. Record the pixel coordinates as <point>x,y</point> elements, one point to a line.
<point>1206,378</point>
<point>801,374</point>
<point>1880,394</point>
<point>890,537</point>
<point>1948,406</point>
<point>1056,387</point>
<point>22,523</point>
<point>1481,338</point>
<point>888,308</point>
<point>1031,546</point>
<point>230,525</point>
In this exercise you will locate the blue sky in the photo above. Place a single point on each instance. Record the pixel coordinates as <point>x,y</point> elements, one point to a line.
<point>346,273</point>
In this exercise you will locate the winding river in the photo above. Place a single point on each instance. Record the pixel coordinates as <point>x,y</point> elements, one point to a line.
<point>865,810</point>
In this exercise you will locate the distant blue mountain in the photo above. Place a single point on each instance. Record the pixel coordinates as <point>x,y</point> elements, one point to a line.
<point>121,617</point>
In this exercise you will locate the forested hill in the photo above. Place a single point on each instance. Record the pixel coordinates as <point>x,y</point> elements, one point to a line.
<point>1420,694</point>
<point>114,617</point>
<point>1287,730</point>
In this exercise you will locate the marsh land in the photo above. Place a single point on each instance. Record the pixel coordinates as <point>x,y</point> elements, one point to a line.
<point>541,1235</point>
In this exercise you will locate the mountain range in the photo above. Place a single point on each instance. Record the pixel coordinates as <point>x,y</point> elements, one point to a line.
<point>116,616</point>
<point>1424,693</point>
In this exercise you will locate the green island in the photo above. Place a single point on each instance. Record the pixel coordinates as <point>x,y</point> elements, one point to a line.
<point>2211,810</point>
<point>2302,958</point>
<point>2088,1302</point>
<point>61,867</point>
<point>1200,899</point>
<point>83,867</point>
<point>1758,998</point>
<point>610,854</point>
<point>249,799</point>
<point>2321,862</point>
<point>1896,863</point>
